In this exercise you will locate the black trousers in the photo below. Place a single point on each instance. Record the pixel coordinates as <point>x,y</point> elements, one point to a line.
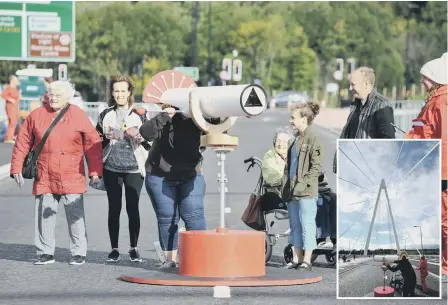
<point>409,289</point>
<point>133,183</point>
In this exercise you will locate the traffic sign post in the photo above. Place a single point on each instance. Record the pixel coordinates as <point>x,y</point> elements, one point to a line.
<point>237,70</point>
<point>192,72</point>
<point>351,66</point>
<point>227,67</point>
<point>231,69</point>
<point>62,72</point>
<point>37,31</point>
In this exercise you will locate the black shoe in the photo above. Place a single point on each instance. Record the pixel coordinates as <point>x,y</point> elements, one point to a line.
<point>168,265</point>
<point>114,256</point>
<point>134,256</point>
<point>77,260</point>
<point>44,259</point>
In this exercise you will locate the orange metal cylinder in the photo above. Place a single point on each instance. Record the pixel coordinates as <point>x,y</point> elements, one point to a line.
<point>222,253</point>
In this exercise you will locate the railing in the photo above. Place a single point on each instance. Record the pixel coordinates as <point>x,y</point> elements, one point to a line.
<point>403,120</point>
<point>404,111</point>
<point>408,104</point>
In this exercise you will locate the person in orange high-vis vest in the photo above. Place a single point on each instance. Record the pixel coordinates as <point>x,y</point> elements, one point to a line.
<point>423,267</point>
<point>431,123</point>
<point>11,95</point>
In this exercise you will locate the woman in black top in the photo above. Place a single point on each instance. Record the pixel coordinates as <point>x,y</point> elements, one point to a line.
<point>174,180</point>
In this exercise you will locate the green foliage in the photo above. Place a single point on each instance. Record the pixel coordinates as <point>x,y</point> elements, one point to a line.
<point>287,45</point>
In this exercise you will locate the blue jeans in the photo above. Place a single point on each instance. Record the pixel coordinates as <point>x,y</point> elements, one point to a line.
<point>171,198</point>
<point>302,221</point>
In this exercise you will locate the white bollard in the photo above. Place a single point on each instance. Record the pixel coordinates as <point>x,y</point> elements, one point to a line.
<point>221,292</point>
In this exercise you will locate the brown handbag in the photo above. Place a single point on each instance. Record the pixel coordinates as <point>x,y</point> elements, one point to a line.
<point>253,215</point>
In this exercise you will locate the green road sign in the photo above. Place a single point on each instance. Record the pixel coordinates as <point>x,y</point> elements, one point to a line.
<point>192,72</point>
<point>37,31</point>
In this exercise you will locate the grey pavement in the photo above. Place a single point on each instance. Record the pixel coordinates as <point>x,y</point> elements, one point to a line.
<point>98,283</point>
<point>433,268</point>
<point>360,280</point>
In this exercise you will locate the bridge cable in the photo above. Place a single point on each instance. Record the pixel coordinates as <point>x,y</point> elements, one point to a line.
<point>357,185</point>
<point>359,219</point>
<point>356,166</point>
<point>373,174</point>
<point>395,165</point>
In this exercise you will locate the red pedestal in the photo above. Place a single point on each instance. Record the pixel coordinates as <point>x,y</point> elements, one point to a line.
<point>222,253</point>
<point>233,258</point>
<point>383,292</point>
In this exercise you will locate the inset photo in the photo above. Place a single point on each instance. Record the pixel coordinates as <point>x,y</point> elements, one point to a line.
<point>389,219</point>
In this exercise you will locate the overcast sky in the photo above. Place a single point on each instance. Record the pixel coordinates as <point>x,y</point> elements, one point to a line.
<point>414,202</point>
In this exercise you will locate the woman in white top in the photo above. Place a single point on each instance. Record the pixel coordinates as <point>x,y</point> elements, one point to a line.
<point>124,156</point>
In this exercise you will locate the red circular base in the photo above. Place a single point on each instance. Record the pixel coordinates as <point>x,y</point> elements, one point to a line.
<point>273,277</point>
<point>383,292</point>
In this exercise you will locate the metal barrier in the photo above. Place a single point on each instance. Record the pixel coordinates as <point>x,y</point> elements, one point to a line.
<point>403,120</point>
<point>408,104</point>
<point>404,111</point>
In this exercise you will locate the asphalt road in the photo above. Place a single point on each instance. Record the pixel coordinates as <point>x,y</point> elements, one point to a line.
<point>5,153</point>
<point>431,267</point>
<point>360,279</point>
<point>97,282</point>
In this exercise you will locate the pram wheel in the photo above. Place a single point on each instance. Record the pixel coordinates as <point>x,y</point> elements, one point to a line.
<point>287,254</point>
<point>330,258</point>
<point>314,257</point>
<point>268,247</point>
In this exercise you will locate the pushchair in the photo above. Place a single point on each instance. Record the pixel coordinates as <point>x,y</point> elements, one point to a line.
<point>282,214</point>
<point>397,281</point>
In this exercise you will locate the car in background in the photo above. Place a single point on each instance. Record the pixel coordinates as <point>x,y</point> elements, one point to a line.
<point>283,99</point>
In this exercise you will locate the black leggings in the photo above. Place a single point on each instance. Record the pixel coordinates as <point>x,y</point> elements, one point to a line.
<point>114,187</point>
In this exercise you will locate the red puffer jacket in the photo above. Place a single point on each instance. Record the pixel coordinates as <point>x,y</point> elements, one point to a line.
<point>432,124</point>
<point>61,163</point>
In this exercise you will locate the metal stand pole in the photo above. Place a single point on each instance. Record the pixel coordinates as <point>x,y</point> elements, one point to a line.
<point>222,189</point>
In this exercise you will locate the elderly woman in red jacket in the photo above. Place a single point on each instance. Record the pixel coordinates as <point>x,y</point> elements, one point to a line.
<point>432,123</point>
<point>61,176</point>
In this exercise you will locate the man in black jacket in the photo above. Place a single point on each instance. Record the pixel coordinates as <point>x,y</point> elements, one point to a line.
<point>371,114</point>
<point>408,273</point>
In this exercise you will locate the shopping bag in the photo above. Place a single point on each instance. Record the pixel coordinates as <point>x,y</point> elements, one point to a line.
<point>253,215</point>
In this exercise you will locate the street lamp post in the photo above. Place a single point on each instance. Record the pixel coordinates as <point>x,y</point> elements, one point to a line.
<point>421,237</point>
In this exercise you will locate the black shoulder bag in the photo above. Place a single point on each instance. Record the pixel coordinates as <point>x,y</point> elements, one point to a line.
<point>29,170</point>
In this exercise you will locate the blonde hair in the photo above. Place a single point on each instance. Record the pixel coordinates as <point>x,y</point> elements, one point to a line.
<point>309,110</point>
<point>368,75</point>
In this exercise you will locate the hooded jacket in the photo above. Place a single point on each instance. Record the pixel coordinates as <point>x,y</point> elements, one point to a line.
<point>431,123</point>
